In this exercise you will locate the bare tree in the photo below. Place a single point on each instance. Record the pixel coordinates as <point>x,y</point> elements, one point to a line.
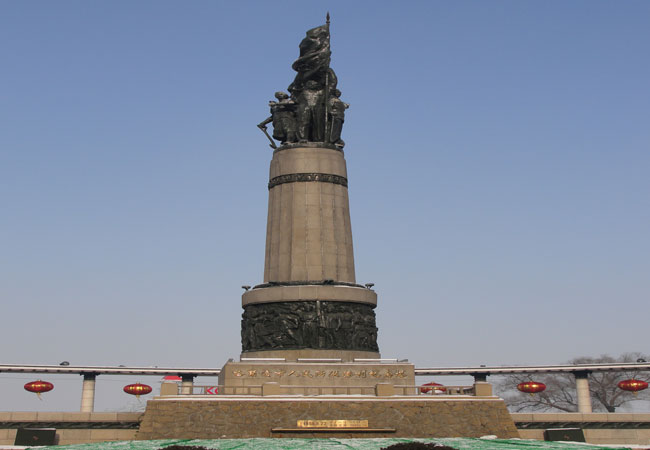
<point>560,393</point>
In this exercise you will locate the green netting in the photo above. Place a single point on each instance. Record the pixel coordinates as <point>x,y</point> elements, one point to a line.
<point>334,444</point>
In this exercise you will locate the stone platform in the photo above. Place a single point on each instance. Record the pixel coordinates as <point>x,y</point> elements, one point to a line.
<point>228,417</point>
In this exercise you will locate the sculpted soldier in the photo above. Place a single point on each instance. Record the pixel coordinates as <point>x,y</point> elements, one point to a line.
<point>309,327</point>
<point>283,118</point>
<point>337,117</point>
<point>284,121</point>
<point>310,113</point>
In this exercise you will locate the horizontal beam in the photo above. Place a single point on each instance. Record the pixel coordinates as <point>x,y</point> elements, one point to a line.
<point>481,370</point>
<point>108,370</point>
<point>503,370</point>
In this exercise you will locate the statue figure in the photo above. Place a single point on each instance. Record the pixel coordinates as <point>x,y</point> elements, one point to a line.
<point>289,325</point>
<point>310,327</point>
<point>283,118</point>
<point>336,118</point>
<point>347,328</point>
<point>310,114</point>
<point>313,112</point>
<point>261,334</point>
<point>333,325</point>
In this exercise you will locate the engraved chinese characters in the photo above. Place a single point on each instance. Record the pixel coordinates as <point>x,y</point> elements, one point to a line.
<point>384,374</point>
<point>313,112</point>
<point>345,423</point>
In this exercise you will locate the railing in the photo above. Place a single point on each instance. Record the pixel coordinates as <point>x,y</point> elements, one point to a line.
<point>308,391</point>
<point>429,390</point>
<point>480,374</point>
<point>194,372</point>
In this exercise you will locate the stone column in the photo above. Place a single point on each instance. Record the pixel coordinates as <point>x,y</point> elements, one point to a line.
<point>88,392</point>
<point>482,389</point>
<point>309,305</point>
<point>582,390</point>
<point>308,234</point>
<point>187,384</point>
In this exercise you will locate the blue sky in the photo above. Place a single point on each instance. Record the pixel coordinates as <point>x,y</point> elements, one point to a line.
<point>498,177</point>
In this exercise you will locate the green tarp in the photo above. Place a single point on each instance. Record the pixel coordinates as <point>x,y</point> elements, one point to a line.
<point>334,444</point>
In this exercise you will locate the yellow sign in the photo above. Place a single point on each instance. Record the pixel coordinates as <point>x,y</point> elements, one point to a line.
<point>332,424</point>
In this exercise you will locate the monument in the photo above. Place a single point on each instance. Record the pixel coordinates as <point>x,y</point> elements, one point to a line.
<point>310,364</point>
<point>309,309</point>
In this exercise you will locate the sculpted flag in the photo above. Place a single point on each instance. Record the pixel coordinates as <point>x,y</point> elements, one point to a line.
<point>313,64</point>
<point>314,52</point>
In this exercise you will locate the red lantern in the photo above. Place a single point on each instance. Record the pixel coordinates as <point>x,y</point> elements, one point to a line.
<point>437,388</point>
<point>137,389</point>
<point>38,387</point>
<point>531,387</point>
<point>633,385</point>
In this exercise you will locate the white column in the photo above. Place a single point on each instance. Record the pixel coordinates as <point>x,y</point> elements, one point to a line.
<point>88,392</point>
<point>582,389</point>
<point>187,384</point>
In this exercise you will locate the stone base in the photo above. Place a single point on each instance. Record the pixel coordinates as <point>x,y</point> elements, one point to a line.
<point>199,417</point>
<point>292,378</point>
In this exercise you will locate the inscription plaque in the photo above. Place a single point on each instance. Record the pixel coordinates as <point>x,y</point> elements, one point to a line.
<point>332,424</point>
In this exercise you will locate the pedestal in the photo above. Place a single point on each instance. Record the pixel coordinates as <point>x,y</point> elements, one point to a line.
<point>235,417</point>
<point>309,305</point>
<point>315,378</point>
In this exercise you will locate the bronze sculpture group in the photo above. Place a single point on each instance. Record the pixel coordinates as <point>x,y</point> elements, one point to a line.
<point>296,325</point>
<point>313,110</point>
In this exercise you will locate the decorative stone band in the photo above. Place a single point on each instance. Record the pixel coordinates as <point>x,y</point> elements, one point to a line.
<point>301,177</point>
<point>563,423</point>
<point>301,293</point>
<point>313,325</point>
<point>307,283</point>
<point>78,425</point>
<point>326,145</point>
